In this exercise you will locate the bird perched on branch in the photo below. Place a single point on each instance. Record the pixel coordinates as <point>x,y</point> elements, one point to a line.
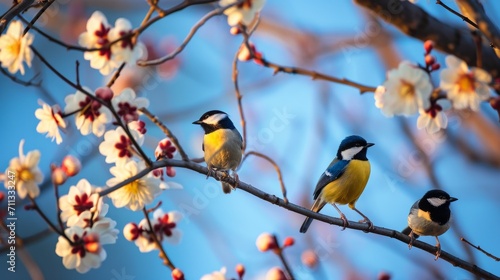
<point>222,144</point>
<point>430,216</point>
<point>344,180</point>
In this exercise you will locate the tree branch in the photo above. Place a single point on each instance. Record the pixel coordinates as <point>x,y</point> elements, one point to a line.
<point>483,22</point>
<point>415,22</point>
<point>14,11</point>
<point>455,261</point>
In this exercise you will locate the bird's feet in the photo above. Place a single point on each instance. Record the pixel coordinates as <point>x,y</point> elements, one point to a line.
<point>412,238</point>
<point>367,221</point>
<point>236,179</point>
<point>344,220</point>
<point>211,172</point>
<point>438,252</point>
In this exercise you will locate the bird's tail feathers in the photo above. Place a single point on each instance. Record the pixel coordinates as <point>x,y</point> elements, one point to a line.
<point>316,207</point>
<point>226,187</point>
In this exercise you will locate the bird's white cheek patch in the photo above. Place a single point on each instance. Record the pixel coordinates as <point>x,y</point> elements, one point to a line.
<point>350,153</point>
<point>215,119</point>
<point>436,202</point>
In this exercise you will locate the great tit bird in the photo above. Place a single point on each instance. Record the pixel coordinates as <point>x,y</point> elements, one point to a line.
<point>222,143</point>
<point>344,180</point>
<point>430,216</point>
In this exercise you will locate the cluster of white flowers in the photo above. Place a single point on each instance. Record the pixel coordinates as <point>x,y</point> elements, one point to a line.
<point>88,228</point>
<point>100,34</point>
<point>408,90</point>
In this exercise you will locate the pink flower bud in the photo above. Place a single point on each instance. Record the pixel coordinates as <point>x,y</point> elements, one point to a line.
<point>289,241</point>
<point>139,126</point>
<point>104,93</point>
<point>177,274</point>
<point>275,273</point>
<point>435,66</point>
<point>71,165</point>
<point>131,231</point>
<point>309,258</point>
<point>164,149</point>
<point>170,171</point>
<point>384,276</point>
<point>430,60</point>
<point>29,207</point>
<point>244,53</point>
<point>240,270</point>
<point>266,242</point>
<point>428,46</point>
<point>59,176</point>
<point>235,30</point>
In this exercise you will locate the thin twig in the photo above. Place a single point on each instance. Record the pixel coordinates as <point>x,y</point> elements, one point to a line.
<point>14,11</point>
<point>239,98</point>
<point>58,208</point>
<point>46,219</point>
<point>163,254</point>
<point>133,34</point>
<point>188,38</point>
<point>455,261</point>
<point>29,83</point>
<point>37,16</point>
<point>116,75</point>
<point>300,71</point>
<point>279,252</point>
<point>464,18</point>
<point>167,132</point>
<point>481,249</point>
<point>278,170</point>
<point>77,65</point>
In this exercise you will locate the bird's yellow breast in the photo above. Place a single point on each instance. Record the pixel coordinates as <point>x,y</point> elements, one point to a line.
<point>222,149</point>
<point>349,186</point>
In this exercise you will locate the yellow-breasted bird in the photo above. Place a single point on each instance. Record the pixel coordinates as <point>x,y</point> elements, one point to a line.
<point>222,144</point>
<point>344,180</point>
<point>431,216</point>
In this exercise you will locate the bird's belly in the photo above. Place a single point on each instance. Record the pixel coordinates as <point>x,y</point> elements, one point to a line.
<point>348,188</point>
<point>221,152</point>
<point>420,223</point>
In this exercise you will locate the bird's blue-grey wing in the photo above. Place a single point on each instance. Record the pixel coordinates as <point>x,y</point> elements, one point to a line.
<point>332,173</point>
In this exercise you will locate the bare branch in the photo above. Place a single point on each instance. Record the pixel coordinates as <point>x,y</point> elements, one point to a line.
<point>480,249</point>
<point>188,38</point>
<point>455,261</point>
<point>163,254</point>
<point>415,22</point>
<point>488,28</point>
<point>14,11</point>
<point>278,170</point>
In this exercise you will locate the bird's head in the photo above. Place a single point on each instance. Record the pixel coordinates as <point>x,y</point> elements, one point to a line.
<point>213,120</point>
<point>437,198</point>
<point>353,147</point>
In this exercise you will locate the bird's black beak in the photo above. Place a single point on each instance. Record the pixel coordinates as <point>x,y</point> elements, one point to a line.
<point>452,199</point>
<point>197,122</point>
<point>369,145</point>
